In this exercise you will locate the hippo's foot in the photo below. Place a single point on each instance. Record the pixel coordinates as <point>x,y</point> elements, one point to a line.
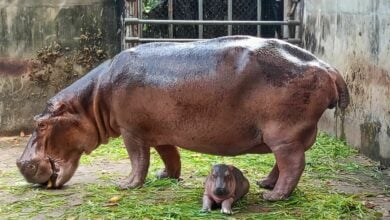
<point>205,210</point>
<point>226,206</point>
<point>274,196</point>
<point>267,183</point>
<point>129,183</point>
<point>227,211</point>
<point>270,181</point>
<point>162,174</point>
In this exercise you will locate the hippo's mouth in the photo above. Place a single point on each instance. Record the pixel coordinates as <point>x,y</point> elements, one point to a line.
<point>51,183</point>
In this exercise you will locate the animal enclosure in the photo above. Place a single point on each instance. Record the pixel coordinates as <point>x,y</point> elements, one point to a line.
<point>182,21</point>
<point>46,45</point>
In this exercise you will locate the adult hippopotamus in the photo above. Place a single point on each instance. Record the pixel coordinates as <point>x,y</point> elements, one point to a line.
<point>225,96</point>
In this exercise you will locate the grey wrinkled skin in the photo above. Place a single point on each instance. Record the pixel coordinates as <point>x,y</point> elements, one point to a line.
<point>226,96</point>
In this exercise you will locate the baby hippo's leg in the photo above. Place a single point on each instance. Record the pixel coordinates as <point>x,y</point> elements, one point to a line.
<point>207,204</point>
<point>227,206</point>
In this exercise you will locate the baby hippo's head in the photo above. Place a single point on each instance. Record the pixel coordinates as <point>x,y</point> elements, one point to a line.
<point>222,179</point>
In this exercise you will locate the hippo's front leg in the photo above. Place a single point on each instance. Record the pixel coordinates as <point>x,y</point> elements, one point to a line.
<point>139,155</point>
<point>207,203</point>
<point>226,207</point>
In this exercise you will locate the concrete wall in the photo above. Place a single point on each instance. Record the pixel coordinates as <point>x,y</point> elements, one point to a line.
<point>44,46</point>
<point>354,36</point>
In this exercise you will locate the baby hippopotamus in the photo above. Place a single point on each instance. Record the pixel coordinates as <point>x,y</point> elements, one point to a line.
<point>226,184</point>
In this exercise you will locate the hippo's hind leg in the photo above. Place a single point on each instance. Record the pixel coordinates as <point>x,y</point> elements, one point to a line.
<point>171,158</point>
<point>291,163</point>
<point>139,155</point>
<point>270,181</point>
<point>289,145</point>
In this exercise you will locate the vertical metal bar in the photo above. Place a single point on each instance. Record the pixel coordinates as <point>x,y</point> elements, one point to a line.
<point>259,17</point>
<point>230,15</point>
<point>286,10</point>
<point>134,14</point>
<point>301,5</point>
<point>127,29</point>
<point>139,14</point>
<point>170,17</point>
<point>200,17</point>
<point>130,11</point>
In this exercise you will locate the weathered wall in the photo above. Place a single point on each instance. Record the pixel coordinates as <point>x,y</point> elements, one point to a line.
<point>354,36</point>
<point>44,46</point>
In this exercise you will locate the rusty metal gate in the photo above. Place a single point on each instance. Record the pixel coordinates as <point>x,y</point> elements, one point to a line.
<point>191,20</point>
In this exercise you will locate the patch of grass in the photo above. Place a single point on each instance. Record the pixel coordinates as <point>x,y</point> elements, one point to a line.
<point>327,157</point>
<point>30,202</point>
<point>171,199</point>
<point>11,173</point>
<point>113,151</point>
<point>331,158</point>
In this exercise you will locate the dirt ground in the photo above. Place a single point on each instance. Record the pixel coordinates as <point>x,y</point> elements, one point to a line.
<point>375,189</point>
<point>12,147</point>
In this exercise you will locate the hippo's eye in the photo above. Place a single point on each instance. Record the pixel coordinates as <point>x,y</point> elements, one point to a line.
<point>42,126</point>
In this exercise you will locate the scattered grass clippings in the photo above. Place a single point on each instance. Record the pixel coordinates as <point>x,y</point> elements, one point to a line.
<point>328,159</point>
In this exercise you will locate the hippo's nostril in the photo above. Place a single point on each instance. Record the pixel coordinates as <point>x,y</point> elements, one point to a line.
<point>35,170</point>
<point>27,168</point>
<point>220,191</point>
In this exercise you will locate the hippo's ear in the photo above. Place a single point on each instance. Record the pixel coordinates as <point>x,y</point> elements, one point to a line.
<point>38,117</point>
<point>230,167</point>
<point>51,110</point>
<point>59,109</point>
<point>41,117</point>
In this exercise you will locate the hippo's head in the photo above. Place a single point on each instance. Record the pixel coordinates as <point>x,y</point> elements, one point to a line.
<point>222,179</point>
<point>62,134</point>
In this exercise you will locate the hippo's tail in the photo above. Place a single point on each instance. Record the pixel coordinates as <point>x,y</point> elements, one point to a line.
<point>342,90</point>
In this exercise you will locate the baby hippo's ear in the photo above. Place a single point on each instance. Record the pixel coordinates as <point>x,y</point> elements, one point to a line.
<point>230,167</point>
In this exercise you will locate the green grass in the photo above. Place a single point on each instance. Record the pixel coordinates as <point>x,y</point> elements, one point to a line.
<point>112,151</point>
<point>170,199</point>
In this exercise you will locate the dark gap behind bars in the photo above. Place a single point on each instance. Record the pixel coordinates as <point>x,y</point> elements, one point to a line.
<point>271,10</point>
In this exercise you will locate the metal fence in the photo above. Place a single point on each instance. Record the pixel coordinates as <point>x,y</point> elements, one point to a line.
<point>190,20</point>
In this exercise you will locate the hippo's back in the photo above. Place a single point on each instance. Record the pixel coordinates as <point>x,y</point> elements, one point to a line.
<point>161,63</point>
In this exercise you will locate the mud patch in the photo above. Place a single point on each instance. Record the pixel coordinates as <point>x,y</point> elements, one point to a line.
<point>60,65</point>
<point>388,131</point>
<point>370,138</point>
